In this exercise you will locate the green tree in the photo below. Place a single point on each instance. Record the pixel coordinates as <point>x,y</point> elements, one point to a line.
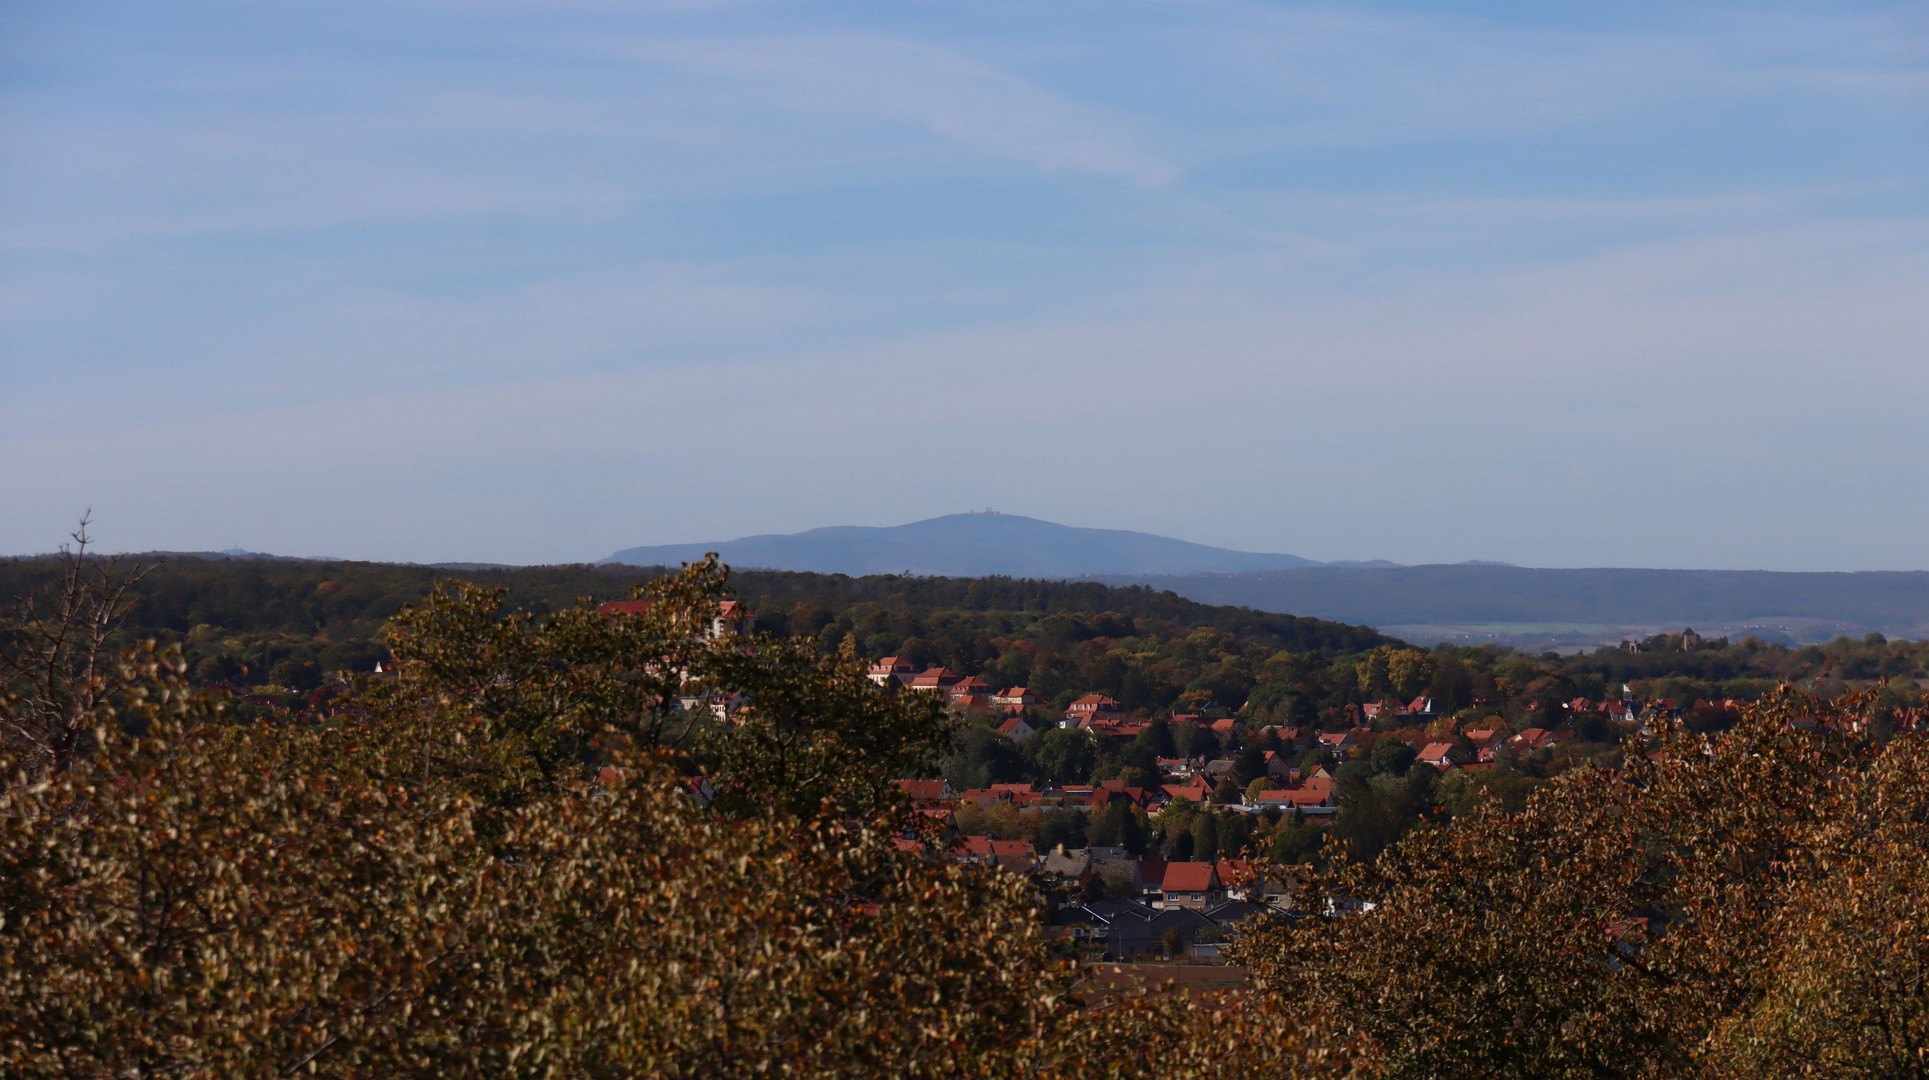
<point>1120,824</point>
<point>1061,755</point>
<point>1205,838</point>
<point>983,757</point>
<point>1391,757</point>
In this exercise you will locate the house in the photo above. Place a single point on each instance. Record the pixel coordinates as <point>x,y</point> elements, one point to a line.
<point>1438,755</point>
<point>1237,877</point>
<point>1067,868</point>
<point>1120,872</point>
<point>1484,740</point>
<point>1538,739</point>
<point>972,703</point>
<point>1111,726</point>
<point>1338,742</point>
<point>1016,697</point>
<point>1230,916</point>
<point>1195,792</point>
<point>1024,794</point>
<point>1423,708</point>
<point>1192,885</point>
<point>926,792</point>
<point>937,680</point>
<point>1089,708</point>
<point>971,685</point>
<point>1173,768</point>
<point>1241,880</point>
<point>1311,801</point>
<point>1107,792</point>
<point>1294,740</point>
<point>1223,726</point>
<point>890,672</point>
<point>1121,926</point>
<point>730,619</point>
<point>1013,855</point>
<point>1017,730</point>
<point>724,708</point>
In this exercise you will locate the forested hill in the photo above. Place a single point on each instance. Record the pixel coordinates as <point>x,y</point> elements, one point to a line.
<point>319,617</point>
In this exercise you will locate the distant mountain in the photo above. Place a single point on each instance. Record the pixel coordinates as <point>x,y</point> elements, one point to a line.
<point>968,545</point>
<point>1519,605</point>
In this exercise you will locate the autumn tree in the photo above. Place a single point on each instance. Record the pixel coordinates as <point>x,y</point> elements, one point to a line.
<point>1740,904</point>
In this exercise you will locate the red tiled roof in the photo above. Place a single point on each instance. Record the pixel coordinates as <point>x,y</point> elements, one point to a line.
<point>1094,703</point>
<point>727,609</point>
<point>1189,877</point>
<point>1236,871</point>
<point>923,790</point>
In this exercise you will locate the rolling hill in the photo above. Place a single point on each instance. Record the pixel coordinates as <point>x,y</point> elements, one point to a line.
<point>968,545</point>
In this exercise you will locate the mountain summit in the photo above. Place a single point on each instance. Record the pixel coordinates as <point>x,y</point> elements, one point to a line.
<point>968,545</point>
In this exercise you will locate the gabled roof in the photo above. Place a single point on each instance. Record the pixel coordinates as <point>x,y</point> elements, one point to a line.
<point>925,790</point>
<point>1233,912</point>
<point>1095,701</point>
<point>1197,791</point>
<point>1236,872</point>
<point>937,676</point>
<point>1189,877</point>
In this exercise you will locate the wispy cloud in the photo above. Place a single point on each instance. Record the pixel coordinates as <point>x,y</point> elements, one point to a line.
<point>906,82</point>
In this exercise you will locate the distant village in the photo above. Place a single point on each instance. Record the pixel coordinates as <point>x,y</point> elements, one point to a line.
<point>1120,906</point>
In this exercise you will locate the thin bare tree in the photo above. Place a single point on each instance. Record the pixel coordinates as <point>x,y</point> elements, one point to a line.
<point>57,669</point>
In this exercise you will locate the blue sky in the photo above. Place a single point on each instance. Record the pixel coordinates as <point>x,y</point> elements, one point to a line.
<point>1616,284</point>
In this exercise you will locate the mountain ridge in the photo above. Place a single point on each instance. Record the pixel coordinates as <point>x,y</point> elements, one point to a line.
<point>983,544</point>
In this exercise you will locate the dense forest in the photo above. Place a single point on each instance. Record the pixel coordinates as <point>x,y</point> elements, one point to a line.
<point>291,624</point>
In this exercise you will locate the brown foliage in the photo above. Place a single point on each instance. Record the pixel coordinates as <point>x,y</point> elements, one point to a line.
<point>1748,904</point>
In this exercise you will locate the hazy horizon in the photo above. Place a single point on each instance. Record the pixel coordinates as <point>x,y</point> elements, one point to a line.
<point>1628,285</point>
<point>100,548</point>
